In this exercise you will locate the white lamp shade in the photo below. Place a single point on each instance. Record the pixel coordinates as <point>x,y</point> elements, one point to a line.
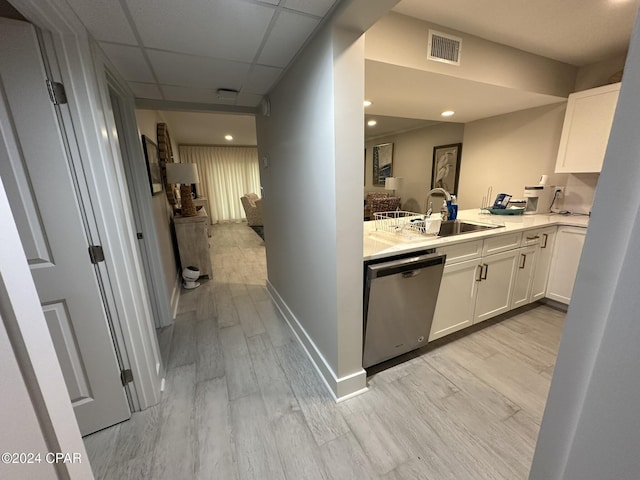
<point>183,173</point>
<point>392,183</point>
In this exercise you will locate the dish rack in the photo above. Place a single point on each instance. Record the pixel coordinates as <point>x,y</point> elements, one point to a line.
<point>407,224</point>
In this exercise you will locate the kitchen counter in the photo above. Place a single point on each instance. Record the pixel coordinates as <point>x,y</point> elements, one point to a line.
<point>379,244</point>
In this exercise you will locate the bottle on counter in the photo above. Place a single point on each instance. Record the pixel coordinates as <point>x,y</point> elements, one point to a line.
<point>452,208</point>
<point>444,211</point>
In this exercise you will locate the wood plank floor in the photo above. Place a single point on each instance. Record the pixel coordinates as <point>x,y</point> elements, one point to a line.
<point>242,400</point>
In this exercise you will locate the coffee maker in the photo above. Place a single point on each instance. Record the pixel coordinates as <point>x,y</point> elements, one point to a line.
<point>538,198</point>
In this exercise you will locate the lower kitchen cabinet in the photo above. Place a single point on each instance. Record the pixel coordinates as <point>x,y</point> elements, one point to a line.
<point>495,286</point>
<point>456,300</point>
<point>525,272</point>
<point>521,268</point>
<point>543,263</point>
<point>564,265</point>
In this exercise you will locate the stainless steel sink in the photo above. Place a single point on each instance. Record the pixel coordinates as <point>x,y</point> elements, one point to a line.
<point>458,227</point>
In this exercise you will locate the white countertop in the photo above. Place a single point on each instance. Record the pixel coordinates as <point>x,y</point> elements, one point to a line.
<point>380,244</point>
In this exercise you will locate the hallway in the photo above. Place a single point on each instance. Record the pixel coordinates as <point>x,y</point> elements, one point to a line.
<point>242,400</point>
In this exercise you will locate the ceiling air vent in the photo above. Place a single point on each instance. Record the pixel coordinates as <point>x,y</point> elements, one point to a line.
<point>444,48</point>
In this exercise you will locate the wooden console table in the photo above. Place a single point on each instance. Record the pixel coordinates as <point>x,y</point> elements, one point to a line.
<point>192,234</point>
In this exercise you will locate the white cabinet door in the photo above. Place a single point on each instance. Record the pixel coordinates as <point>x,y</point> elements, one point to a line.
<point>586,128</point>
<point>564,264</point>
<point>496,287</point>
<point>541,275</point>
<point>457,298</point>
<point>527,259</point>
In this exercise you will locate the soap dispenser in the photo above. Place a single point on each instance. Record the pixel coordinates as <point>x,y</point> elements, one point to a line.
<point>453,208</point>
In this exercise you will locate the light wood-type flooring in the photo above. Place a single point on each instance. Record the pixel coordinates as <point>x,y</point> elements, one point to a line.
<point>242,400</point>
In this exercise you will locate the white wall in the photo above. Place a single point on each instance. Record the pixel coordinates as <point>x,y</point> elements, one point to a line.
<point>591,426</point>
<point>598,74</point>
<point>162,212</point>
<point>508,152</point>
<point>413,160</point>
<point>313,143</point>
<point>313,194</point>
<point>401,40</point>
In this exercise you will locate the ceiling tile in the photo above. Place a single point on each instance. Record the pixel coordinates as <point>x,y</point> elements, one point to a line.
<point>262,79</point>
<point>105,20</point>
<point>314,7</point>
<point>129,61</point>
<point>192,71</point>
<point>284,41</point>
<point>215,28</point>
<point>146,90</point>
<point>194,95</point>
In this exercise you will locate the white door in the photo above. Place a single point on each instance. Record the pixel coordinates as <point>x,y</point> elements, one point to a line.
<point>564,263</point>
<point>527,261</point>
<point>456,300</point>
<point>41,190</point>
<point>496,285</point>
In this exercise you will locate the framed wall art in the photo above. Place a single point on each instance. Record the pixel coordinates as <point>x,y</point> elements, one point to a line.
<point>445,171</point>
<point>153,164</point>
<point>382,163</point>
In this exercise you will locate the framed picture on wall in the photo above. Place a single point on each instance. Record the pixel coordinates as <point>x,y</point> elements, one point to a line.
<point>445,171</point>
<point>382,163</point>
<point>153,164</point>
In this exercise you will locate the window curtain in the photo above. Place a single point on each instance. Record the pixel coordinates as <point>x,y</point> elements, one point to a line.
<point>226,173</point>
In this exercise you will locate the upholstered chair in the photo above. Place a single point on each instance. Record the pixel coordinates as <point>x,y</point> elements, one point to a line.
<point>252,208</point>
<point>386,204</point>
<point>367,203</point>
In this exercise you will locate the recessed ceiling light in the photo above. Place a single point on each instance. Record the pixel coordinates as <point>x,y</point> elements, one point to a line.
<point>372,123</point>
<point>228,137</point>
<point>367,103</point>
<point>447,113</point>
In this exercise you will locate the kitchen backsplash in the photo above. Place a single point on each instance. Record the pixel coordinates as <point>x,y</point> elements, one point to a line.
<point>579,192</point>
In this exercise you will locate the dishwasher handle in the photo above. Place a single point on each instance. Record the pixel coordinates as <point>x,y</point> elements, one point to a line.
<point>411,273</point>
<point>408,267</point>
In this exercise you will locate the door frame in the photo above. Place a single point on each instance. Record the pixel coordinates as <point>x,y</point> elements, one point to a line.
<point>137,179</point>
<point>71,53</point>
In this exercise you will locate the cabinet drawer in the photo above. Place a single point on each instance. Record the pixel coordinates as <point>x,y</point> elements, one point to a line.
<point>538,236</point>
<point>501,243</point>
<point>461,251</point>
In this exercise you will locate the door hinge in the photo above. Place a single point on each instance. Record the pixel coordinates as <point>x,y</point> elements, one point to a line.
<point>126,376</point>
<point>57,92</point>
<point>96,254</point>
<point>139,235</point>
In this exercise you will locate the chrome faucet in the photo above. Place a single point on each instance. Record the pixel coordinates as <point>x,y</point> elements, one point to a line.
<point>442,191</point>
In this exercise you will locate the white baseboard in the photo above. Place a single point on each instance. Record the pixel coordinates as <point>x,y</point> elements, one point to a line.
<point>340,388</point>
<point>175,296</point>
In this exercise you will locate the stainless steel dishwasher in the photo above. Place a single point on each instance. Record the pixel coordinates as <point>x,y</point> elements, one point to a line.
<point>399,301</point>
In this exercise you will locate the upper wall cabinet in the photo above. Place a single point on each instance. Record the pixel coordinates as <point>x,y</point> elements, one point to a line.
<point>585,133</point>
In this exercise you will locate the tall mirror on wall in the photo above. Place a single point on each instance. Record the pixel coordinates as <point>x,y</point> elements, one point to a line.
<point>382,163</point>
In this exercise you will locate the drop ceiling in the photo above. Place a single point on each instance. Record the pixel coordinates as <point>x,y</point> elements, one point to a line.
<point>176,51</point>
<point>179,53</point>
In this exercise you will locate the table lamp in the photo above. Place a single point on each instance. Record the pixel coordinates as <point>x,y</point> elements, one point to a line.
<point>392,183</point>
<point>185,174</point>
